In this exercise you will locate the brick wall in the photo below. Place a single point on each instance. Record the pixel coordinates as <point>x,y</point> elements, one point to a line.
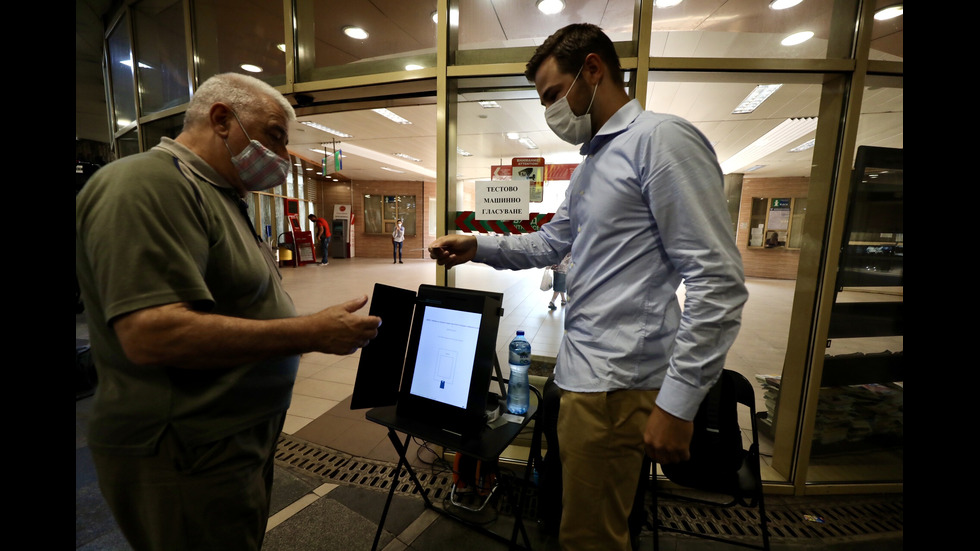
<point>379,246</point>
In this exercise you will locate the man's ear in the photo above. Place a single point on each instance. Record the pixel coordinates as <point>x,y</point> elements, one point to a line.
<point>593,69</point>
<point>221,118</point>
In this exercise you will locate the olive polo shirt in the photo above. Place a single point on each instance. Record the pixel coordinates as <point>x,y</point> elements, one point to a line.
<point>157,228</point>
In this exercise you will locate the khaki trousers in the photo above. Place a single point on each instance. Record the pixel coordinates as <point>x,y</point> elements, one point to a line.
<point>600,437</point>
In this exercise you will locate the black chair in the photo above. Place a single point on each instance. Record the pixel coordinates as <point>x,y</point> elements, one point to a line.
<point>722,472</point>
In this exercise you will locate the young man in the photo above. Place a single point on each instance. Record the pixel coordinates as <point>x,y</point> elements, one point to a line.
<point>196,343</point>
<point>397,239</point>
<point>644,211</point>
<point>322,236</point>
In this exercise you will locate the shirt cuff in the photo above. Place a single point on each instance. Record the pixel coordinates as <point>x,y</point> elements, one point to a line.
<point>680,399</point>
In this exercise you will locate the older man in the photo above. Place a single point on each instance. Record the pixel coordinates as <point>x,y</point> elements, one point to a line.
<point>644,211</point>
<point>195,341</point>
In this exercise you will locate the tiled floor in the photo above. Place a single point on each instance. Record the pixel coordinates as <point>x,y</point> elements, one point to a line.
<point>320,410</point>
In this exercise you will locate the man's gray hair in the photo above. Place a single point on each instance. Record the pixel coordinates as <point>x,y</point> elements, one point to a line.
<point>242,93</point>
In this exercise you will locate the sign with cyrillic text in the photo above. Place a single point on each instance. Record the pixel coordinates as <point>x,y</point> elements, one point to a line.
<point>502,199</point>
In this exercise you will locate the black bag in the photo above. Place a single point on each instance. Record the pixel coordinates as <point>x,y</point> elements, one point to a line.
<point>717,456</point>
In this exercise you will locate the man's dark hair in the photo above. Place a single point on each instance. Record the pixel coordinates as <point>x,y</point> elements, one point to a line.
<point>570,45</point>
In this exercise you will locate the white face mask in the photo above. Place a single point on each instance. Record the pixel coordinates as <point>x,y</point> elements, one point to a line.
<point>572,128</point>
<point>258,167</point>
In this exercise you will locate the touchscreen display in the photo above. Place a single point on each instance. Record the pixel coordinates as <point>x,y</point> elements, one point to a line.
<point>446,354</point>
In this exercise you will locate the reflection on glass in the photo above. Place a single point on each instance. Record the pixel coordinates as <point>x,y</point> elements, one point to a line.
<point>394,36</point>
<point>707,28</point>
<point>228,37</point>
<point>121,75</point>
<point>162,56</point>
<point>860,416</point>
<point>168,127</point>
<point>508,24</point>
<point>128,144</point>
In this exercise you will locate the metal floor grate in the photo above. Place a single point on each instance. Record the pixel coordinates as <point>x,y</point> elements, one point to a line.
<point>815,518</point>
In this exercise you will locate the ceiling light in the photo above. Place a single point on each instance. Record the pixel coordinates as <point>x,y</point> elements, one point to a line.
<point>129,63</point>
<point>392,170</point>
<point>784,134</point>
<point>435,17</point>
<point>798,38</point>
<point>783,4</point>
<point>803,146</point>
<point>550,7</point>
<point>391,116</point>
<point>513,135</point>
<point>357,151</point>
<point>251,68</point>
<point>282,48</point>
<point>755,98</point>
<point>413,67</point>
<point>666,3</point>
<point>409,157</point>
<point>528,143</point>
<point>890,12</point>
<point>355,32</point>
<point>463,152</point>
<point>489,104</point>
<point>337,133</point>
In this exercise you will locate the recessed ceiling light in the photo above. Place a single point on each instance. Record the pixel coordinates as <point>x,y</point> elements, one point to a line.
<point>355,32</point>
<point>528,143</point>
<point>391,116</point>
<point>666,3</point>
<point>326,129</point>
<point>755,98</point>
<point>463,152</point>
<point>282,48</point>
<point>513,135</point>
<point>413,67</point>
<point>435,17</point>
<point>783,4</point>
<point>798,38</point>
<point>550,7</point>
<point>803,146</point>
<point>251,68</point>
<point>489,104</point>
<point>889,12</point>
<point>392,170</point>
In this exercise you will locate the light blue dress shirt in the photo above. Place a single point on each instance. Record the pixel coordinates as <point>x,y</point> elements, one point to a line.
<point>644,211</point>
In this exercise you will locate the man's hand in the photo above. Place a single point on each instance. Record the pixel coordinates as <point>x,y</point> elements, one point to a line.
<point>452,250</point>
<point>667,439</point>
<point>340,331</point>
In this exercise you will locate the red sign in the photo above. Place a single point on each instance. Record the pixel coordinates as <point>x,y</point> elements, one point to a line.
<point>551,172</point>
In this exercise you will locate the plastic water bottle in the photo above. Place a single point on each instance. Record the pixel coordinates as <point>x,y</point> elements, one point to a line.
<point>520,361</point>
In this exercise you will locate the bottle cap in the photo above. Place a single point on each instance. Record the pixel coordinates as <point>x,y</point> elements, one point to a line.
<point>520,332</point>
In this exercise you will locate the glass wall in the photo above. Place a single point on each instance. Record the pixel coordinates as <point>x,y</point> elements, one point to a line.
<point>161,54</point>
<point>700,59</point>
<point>339,38</point>
<point>231,38</point>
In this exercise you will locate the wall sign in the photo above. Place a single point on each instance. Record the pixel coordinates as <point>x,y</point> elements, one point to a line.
<point>502,199</point>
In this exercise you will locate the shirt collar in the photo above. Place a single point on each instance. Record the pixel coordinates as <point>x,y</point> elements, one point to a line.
<point>192,161</point>
<point>617,123</point>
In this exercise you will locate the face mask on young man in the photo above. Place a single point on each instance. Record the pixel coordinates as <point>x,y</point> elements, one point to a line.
<point>258,167</point>
<point>572,128</point>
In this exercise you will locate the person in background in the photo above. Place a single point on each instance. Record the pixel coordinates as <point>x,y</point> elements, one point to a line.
<point>397,239</point>
<point>558,285</point>
<point>195,341</point>
<point>644,211</point>
<point>773,240</point>
<point>322,237</point>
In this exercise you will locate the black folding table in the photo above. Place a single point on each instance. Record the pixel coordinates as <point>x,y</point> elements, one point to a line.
<point>485,446</point>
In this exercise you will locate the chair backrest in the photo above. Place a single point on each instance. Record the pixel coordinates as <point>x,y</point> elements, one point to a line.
<point>719,463</point>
